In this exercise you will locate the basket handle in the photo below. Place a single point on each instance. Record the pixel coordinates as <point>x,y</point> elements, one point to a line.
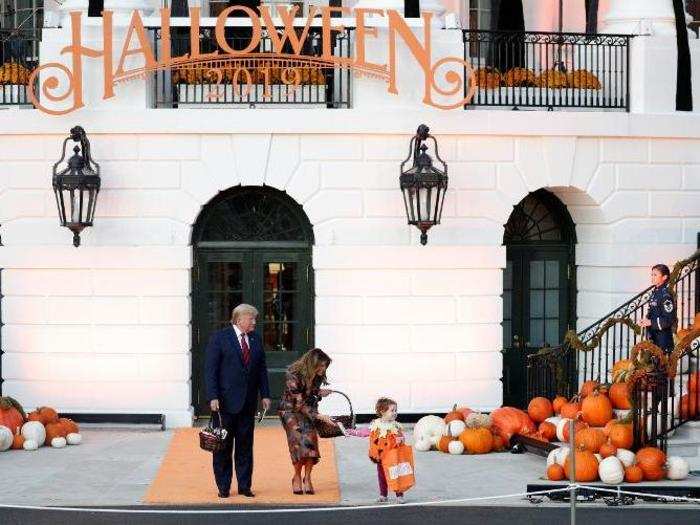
<point>352,413</point>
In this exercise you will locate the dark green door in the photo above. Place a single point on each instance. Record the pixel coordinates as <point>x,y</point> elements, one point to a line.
<point>538,286</point>
<point>277,282</point>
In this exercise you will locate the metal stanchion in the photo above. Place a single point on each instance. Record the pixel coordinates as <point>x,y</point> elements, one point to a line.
<point>572,462</point>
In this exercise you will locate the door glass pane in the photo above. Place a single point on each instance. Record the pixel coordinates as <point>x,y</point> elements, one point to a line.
<point>552,272</point>
<point>280,276</point>
<point>536,274</point>
<point>280,314</point>
<point>225,276</point>
<point>552,303</point>
<point>536,303</point>
<point>536,332</point>
<point>220,306</point>
<point>279,337</point>
<point>552,331</point>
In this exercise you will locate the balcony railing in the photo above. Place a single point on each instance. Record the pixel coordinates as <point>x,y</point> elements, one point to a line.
<point>549,70</point>
<point>268,79</point>
<point>19,55</point>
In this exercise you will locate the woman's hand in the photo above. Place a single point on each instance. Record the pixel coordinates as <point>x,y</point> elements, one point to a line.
<point>644,323</point>
<point>323,392</point>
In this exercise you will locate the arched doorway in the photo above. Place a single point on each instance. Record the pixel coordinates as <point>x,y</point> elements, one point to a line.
<point>539,290</point>
<point>253,245</point>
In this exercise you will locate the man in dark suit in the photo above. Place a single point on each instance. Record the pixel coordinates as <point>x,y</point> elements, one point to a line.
<point>235,373</point>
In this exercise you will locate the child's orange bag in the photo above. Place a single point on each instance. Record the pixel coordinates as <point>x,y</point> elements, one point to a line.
<point>398,468</point>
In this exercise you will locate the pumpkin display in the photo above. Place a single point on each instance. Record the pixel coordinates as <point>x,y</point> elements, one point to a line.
<point>570,409</point>
<point>497,445</point>
<point>34,431</point>
<point>590,439</point>
<point>454,415</point>
<point>586,466</point>
<point>455,447</point>
<point>619,396</point>
<point>621,435</point>
<point>11,414</point>
<point>431,428</point>
<point>539,409</point>
<point>58,442</point>
<point>17,440</point>
<point>607,450</point>
<point>652,461</point>
<point>30,444</point>
<point>455,428</point>
<point>677,468</point>
<point>558,456</point>
<point>563,429</point>
<point>506,421</point>
<point>597,409</point>
<point>557,403</point>
<point>6,438</point>
<point>552,79</point>
<point>588,388</point>
<point>611,471</point>
<point>487,77</point>
<point>633,474</point>
<point>547,430</point>
<point>627,457</point>
<point>477,440</point>
<point>421,445</point>
<point>583,79</point>
<point>77,439</point>
<point>519,76</point>
<point>555,472</point>
<point>622,370</point>
<point>444,444</point>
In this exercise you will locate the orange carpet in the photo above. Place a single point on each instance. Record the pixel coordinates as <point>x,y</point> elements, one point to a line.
<point>186,476</point>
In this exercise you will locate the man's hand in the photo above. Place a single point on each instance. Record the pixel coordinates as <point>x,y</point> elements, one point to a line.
<point>266,403</point>
<point>324,392</point>
<point>214,405</point>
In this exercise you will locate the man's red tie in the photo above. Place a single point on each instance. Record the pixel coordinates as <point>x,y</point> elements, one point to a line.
<point>245,351</point>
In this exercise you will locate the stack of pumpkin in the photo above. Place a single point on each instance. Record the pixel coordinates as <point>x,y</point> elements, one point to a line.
<point>29,432</point>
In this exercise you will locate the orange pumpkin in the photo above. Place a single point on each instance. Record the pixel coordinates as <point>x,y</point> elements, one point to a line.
<point>622,370</point>
<point>35,416</point>
<point>621,435</point>
<point>570,409</point>
<point>590,439</point>
<point>506,421</point>
<point>48,415</point>
<point>607,450</point>
<point>465,411</point>
<point>547,430</point>
<point>651,460</point>
<point>558,402</point>
<point>586,466</point>
<point>578,427</point>
<point>18,441</point>
<point>597,409</point>
<point>555,472</point>
<point>608,426</point>
<point>454,415</point>
<point>588,388</point>
<point>539,409</point>
<point>70,426</point>
<point>11,414</point>
<point>634,474</point>
<point>689,405</point>
<point>619,396</point>
<point>498,445</point>
<point>444,443</point>
<point>477,440</point>
<point>54,430</point>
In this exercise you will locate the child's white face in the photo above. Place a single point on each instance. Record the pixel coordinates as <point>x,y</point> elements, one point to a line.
<point>389,414</point>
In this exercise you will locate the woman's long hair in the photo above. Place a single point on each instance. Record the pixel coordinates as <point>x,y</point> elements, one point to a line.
<point>307,365</point>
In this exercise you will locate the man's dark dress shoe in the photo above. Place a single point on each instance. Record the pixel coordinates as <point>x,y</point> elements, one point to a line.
<point>223,494</point>
<point>246,493</point>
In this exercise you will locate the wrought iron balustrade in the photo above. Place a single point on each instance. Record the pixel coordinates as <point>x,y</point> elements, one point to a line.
<point>19,56</point>
<point>522,69</point>
<point>260,77</point>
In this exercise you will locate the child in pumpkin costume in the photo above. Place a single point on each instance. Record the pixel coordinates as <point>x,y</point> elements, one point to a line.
<point>386,436</point>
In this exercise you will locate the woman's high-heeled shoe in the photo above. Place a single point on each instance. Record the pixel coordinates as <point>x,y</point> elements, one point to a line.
<point>298,492</point>
<point>310,489</point>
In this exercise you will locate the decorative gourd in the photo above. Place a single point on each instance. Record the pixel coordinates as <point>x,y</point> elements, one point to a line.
<point>619,396</point>
<point>652,461</point>
<point>558,402</point>
<point>454,415</point>
<point>588,388</point>
<point>597,409</point>
<point>70,426</point>
<point>48,415</point>
<point>74,438</point>
<point>17,440</point>
<point>35,416</point>
<point>456,427</point>
<point>444,443</point>
<point>621,435</point>
<point>590,439</point>
<point>563,429</point>
<point>611,471</point>
<point>677,468</point>
<point>6,438</point>
<point>633,474</point>
<point>506,421</point>
<point>555,472</point>
<point>11,414</point>
<point>547,430</point>
<point>455,447</point>
<point>34,431</point>
<point>58,442</point>
<point>497,445</point>
<point>571,408</point>
<point>607,450</point>
<point>622,370</point>
<point>54,430</point>
<point>476,440</point>
<point>586,466</point>
<point>626,456</point>
<point>621,414</point>
<point>429,427</point>
<point>422,445</point>
<point>465,411</point>
<point>477,420</point>
<point>539,409</point>
<point>30,444</point>
<point>558,456</point>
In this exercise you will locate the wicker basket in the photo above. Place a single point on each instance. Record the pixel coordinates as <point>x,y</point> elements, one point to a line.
<point>212,439</point>
<point>330,431</point>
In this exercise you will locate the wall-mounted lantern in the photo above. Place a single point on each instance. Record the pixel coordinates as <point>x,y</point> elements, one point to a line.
<point>76,185</point>
<point>423,185</point>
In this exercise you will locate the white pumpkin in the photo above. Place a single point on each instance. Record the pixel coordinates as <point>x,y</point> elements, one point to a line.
<point>34,431</point>
<point>434,441</point>
<point>58,442</point>
<point>558,455</point>
<point>621,414</point>
<point>75,439</point>
<point>627,457</point>
<point>429,427</point>
<point>611,471</point>
<point>456,427</point>
<point>30,444</point>
<point>598,457</point>
<point>677,468</point>
<point>5,438</point>
<point>553,420</point>
<point>455,447</point>
<point>560,428</point>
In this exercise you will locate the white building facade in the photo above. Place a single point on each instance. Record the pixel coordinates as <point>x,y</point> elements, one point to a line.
<point>116,325</point>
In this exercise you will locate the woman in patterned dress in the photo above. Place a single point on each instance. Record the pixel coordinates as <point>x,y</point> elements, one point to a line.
<point>298,409</point>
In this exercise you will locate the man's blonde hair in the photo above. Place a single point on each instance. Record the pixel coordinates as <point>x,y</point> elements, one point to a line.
<point>243,309</point>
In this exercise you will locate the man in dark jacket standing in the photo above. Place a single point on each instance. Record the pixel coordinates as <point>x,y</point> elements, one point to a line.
<point>235,374</point>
